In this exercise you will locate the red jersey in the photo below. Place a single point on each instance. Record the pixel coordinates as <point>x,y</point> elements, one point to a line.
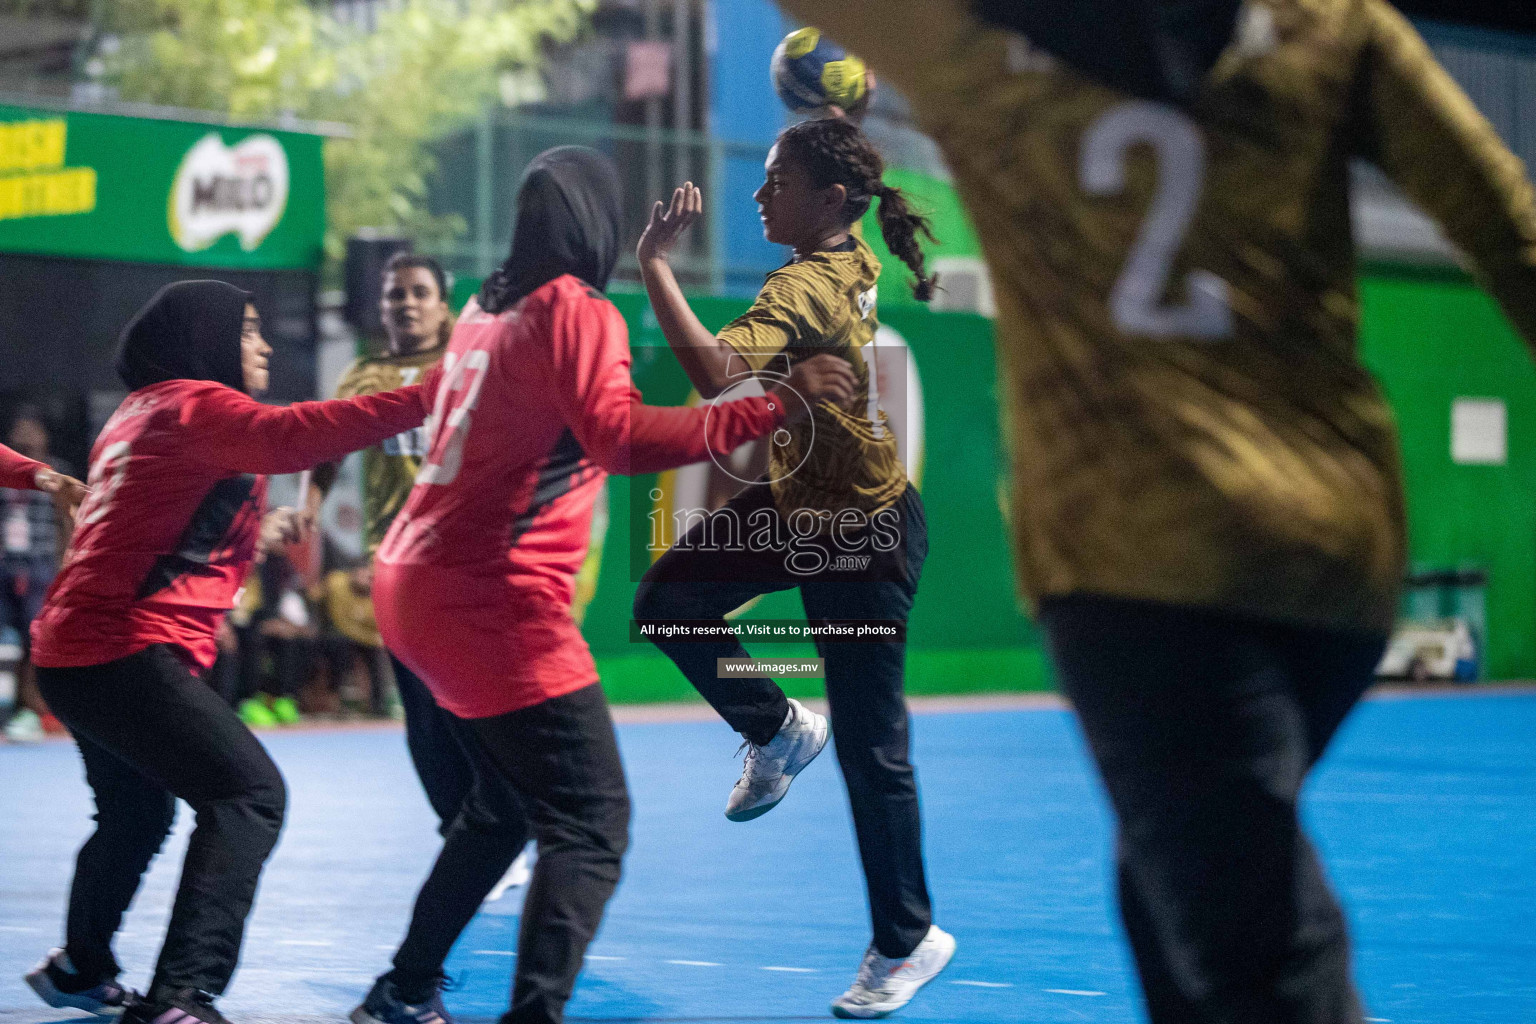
<point>164,542</point>
<point>17,472</point>
<point>474,581</point>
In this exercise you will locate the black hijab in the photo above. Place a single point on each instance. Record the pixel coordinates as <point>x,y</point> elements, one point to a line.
<point>190,330</point>
<point>1155,49</point>
<point>569,220</point>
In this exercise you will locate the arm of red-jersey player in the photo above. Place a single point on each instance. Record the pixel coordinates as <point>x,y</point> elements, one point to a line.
<point>323,477</point>
<point>20,473</point>
<point>235,432</point>
<point>17,472</point>
<point>590,358</point>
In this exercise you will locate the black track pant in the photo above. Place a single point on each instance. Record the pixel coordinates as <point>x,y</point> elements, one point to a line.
<point>484,827</point>
<point>865,686</point>
<point>150,732</point>
<point>1204,727</point>
<point>563,759</point>
<point>449,762</point>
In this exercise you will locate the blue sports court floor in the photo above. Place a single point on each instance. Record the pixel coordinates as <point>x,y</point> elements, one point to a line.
<point>1425,811</point>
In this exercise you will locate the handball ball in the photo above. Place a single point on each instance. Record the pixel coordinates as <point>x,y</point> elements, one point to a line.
<point>811,72</point>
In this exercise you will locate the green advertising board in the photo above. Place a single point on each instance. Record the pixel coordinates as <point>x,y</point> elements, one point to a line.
<point>102,186</point>
<point>968,632</point>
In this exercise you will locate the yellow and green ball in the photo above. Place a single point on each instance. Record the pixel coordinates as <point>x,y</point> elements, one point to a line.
<point>810,73</point>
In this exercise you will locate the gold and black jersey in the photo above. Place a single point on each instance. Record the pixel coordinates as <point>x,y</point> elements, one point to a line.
<point>389,469</point>
<point>1188,417</point>
<point>838,458</point>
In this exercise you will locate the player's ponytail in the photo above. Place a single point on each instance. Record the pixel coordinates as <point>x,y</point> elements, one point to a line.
<point>834,151</point>
<point>899,226</point>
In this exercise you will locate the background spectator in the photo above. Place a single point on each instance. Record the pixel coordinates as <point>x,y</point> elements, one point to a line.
<point>31,543</point>
<point>352,638</point>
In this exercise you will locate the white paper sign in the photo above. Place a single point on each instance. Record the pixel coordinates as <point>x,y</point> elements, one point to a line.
<point>1479,432</point>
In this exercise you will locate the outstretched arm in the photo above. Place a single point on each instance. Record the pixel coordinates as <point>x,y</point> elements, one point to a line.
<point>323,477</point>
<point>20,473</point>
<point>235,432</point>
<point>590,364</point>
<point>1424,132</point>
<point>17,472</point>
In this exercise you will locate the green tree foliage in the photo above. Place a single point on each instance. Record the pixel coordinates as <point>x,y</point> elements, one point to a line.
<point>413,70</point>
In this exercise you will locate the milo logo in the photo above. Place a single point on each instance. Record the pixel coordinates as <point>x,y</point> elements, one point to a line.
<point>222,190</point>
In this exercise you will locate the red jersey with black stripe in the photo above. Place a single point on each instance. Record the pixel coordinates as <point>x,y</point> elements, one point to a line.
<point>474,581</point>
<point>165,539</point>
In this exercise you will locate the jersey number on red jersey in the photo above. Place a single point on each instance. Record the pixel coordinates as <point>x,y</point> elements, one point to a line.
<point>106,478</point>
<point>449,428</point>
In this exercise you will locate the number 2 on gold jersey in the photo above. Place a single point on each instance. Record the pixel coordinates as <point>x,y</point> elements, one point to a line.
<point>1135,302</point>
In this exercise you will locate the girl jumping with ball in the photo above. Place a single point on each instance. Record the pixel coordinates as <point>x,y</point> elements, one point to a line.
<point>835,487</point>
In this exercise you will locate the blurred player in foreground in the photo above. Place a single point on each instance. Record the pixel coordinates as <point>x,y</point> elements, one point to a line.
<point>160,547</point>
<point>464,791</point>
<point>840,473</point>
<point>1207,499</point>
<point>474,581</point>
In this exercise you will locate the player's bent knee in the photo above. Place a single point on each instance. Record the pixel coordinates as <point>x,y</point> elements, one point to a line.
<point>268,800</point>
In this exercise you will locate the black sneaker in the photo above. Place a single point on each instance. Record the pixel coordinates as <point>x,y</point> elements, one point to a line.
<point>55,981</point>
<point>384,1005</point>
<point>184,1006</point>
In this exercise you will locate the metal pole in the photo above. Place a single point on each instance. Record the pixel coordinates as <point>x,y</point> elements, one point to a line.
<point>653,184</point>
<point>682,101</point>
<point>714,155</point>
<point>485,252</point>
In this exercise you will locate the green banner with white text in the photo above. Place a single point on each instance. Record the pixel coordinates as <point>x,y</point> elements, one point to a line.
<point>102,186</point>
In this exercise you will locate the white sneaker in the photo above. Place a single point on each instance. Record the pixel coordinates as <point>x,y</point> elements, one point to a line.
<point>25,727</point>
<point>518,874</point>
<point>769,769</point>
<point>884,985</point>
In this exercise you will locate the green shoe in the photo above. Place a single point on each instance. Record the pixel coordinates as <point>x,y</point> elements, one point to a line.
<point>286,711</point>
<point>255,713</point>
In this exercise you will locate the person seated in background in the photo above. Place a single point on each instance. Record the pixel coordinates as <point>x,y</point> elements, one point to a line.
<point>238,673</point>
<point>286,639</point>
<point>352,636</point>
<point>32,536</point>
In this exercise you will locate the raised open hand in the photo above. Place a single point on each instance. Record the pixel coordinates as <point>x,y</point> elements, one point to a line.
<point>669,221</point>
